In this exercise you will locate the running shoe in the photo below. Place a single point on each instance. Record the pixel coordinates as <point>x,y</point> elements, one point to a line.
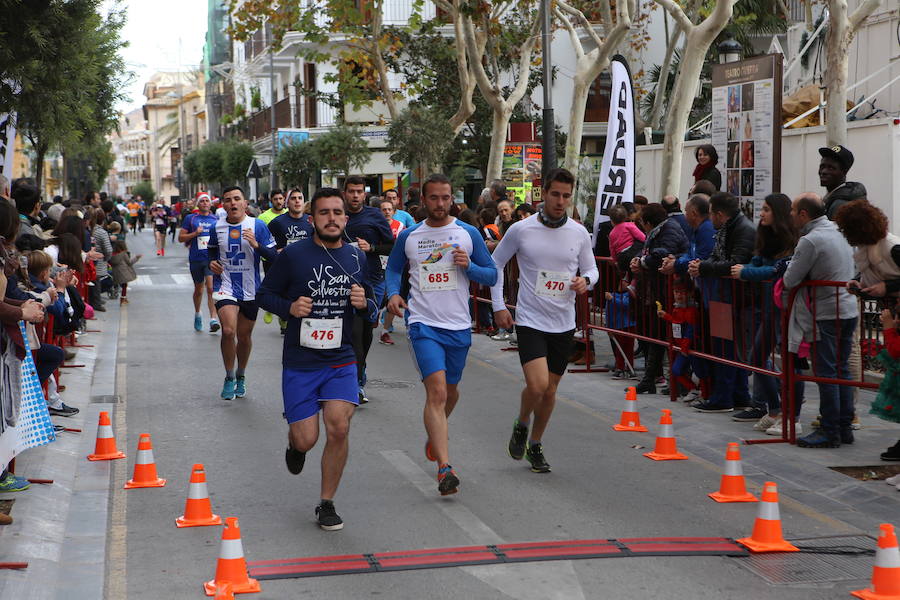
<point>386,339</point>
<point>64,410</point>
<point>213,325</point>
<point>500,337</point>
<point>162,252</point>
<point>294,459</point>
<point>11,483</point>
<point>517,441</point>
<point>240,387</point>
<point>535,455</point>
<point>328,517</point>
<point>428,453</point>
<point>267,318</point>
<point>448,482</point>
<point>228,389</point>
<point>363,399</point>
<point>198,323</point>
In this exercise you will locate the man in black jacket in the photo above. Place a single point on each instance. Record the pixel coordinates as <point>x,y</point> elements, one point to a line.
<point>735,239</point>
<point>836,162</point>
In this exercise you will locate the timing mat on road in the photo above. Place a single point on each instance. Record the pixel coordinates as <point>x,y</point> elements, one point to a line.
<point>435,558</point>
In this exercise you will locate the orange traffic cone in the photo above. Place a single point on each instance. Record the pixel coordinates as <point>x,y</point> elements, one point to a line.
<point>766,536</point>
<point>105,448</point>
<point>732,488</point>
<point>224,591</point>
<point>631,418</point>
<point>666,448</point>
<point>232,568</point>
<point>144,468</point>
<point>197,508</point>
<point>886,572</point>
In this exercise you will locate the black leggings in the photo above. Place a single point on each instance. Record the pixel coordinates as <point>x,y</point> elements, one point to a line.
<point>362,341</point>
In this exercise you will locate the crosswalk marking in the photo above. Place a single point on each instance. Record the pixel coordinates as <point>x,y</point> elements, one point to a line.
<point>167,280</point>
<point>183,279</point>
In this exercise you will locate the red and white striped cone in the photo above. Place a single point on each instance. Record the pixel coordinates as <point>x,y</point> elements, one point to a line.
<point>198,509</point>
<point>766,536</point>
<point>631,418</point>
<point>144,467</point>
<point>733,488</point>
<point>105,447</point>
<point>231,567</point>
<point>666,447</point>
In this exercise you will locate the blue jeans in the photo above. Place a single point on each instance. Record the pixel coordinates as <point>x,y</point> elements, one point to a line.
<point>767,389</point>
<point>730,384</point>
<point>832,355</point>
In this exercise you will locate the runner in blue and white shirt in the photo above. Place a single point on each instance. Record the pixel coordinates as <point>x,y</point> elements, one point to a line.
<point>235,249</point>
<point>443,255</point>
<point>196,229</point>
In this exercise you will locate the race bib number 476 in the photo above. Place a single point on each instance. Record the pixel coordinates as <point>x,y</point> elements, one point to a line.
<point>321,334</point>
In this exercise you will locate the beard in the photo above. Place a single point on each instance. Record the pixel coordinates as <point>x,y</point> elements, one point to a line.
<point>329,237</point>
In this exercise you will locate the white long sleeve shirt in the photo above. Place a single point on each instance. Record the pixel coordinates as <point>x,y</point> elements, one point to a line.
<point>548,259</point>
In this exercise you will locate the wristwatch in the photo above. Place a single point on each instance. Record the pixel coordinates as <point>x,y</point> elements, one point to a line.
<point>587,281</point>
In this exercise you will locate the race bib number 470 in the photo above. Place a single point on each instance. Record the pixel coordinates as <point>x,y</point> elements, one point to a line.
<point>321,334</point>
<point>552,284</point>
<point>437,277</point>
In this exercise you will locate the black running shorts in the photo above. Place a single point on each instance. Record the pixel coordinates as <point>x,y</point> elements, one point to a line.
<point>555,347</point>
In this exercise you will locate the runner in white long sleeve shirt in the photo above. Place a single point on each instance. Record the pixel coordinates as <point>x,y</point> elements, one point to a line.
<point>556,262</point>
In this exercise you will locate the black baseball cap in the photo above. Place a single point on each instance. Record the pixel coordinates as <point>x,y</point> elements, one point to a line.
<point>843,156</point>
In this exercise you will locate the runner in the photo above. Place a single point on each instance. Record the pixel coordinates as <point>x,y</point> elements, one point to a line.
<point>442,254</point>
<point>366,229</point>
<point>399,214</point>
<point>195,232</point>
<point>133,208</point>
<point>275,209</point>
<point>234,252</point>
<point>160,217</point>
<point>317,286</point>
<point>387,318</point>
<point>174,217</point>
<point>289,227</point>
<point>550,250</point>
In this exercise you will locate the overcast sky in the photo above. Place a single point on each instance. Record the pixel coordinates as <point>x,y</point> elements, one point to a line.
<point>155,30</point>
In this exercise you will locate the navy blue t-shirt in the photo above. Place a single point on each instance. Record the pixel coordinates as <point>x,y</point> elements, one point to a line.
<point>325,275</point>
<point>370,225</point>
<point>198,249</point>
<point>286,229</point>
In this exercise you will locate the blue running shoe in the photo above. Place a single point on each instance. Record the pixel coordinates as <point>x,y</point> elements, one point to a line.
<point>11,483</point>
<point>228,389</point>
<point>198,323</point>
<point>240,388</point>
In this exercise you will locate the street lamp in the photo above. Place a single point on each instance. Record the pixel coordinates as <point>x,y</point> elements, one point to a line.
<point>730,50</point>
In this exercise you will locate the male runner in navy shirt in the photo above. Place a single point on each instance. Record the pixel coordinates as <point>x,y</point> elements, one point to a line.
<point>318,286</point>
<point>196,229</point>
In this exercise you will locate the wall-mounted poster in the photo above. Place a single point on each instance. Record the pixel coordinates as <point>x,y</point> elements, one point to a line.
<point>746,128</point>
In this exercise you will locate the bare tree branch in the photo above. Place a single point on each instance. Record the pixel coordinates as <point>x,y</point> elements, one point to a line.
<point>676,13</point>
<point>862,13</point>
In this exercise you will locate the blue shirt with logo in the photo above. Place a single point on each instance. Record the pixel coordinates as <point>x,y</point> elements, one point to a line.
<point>197,251</point>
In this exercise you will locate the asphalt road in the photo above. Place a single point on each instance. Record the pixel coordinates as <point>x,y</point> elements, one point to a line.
<point>600,487</point>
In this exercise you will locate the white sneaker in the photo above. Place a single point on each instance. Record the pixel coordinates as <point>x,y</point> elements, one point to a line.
<point>500,337</point>
<point>895,480</point>
<point>691,396</point>
<point>776,429</point>
<point>767,421</point>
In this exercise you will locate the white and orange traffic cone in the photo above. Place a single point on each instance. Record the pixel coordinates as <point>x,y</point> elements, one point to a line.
<point>198,509</point>
<point>105,448</point>
<point>886,572</point>
<point>224,591</point>
<point>766,536</point>
<point>733,488</point>
<point>631,418</point>
<point>666,447</point>
<point>231,567</point>
<point>144,467</point>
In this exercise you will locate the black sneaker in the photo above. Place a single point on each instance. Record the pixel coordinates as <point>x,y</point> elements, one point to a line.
<point>818,439</point>
<point>448,482</point>
<point>328,518</point>
<point>847,435</point>
<point>535,455</point>
<point>645,388</point>
<point>750,414</point>
<point>294,459</point>
<point>712,407</point>
<point>517,441</point>
<point>892,453</point>
<point>64,411</point>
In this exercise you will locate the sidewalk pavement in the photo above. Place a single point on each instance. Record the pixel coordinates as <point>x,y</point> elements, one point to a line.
<point>60,529</point>
<point>803,475</point>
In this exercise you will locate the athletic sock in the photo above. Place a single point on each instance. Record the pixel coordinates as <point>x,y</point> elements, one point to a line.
<point>533,442</point>
<point>240,372</point>
<point>197,314</point>
<point>524,423</point>
<point>229,374</point>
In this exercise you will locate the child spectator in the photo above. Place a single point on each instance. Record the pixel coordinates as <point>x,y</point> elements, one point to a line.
<point>887,403</point>
<point>123,268</point>
<point>625,239</point>
<point>684,318</point>
<point>619,317</point>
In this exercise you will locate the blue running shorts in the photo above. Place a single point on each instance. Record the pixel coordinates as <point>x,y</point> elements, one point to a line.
<point>304,391</point>
<point>436,349</point>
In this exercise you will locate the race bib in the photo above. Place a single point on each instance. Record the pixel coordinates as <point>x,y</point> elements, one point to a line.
<point>552,284</point>
<point>437,277</point>
<point>159,221</point>
<point>203,241</point>
<point>676,330</point>
<point>384,260</point>
<point>321,334</point>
